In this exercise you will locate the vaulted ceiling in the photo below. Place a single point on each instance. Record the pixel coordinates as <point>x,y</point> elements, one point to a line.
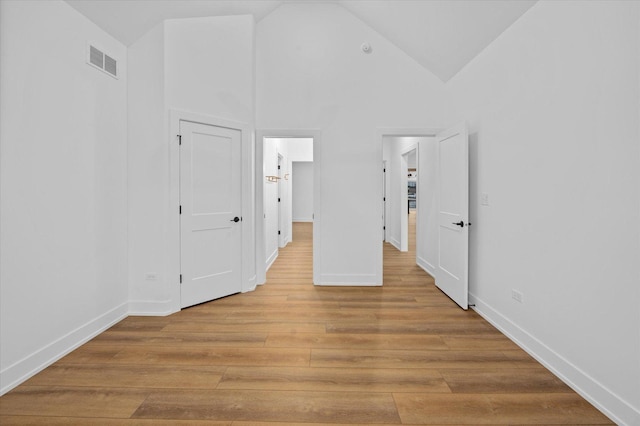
<point>441,35</point>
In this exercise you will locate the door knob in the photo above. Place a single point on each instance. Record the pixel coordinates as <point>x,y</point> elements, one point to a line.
<point>460,224</point>
<point>235,219</point>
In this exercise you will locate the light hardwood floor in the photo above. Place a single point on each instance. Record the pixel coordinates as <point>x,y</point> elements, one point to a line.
<point>292,353</point>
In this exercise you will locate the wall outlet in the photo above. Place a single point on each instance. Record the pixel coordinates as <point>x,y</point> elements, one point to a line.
<point>484,199</point>
<point>151,276</point>
<point>516,295</point>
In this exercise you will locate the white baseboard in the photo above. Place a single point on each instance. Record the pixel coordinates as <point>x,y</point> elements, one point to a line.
<point>395,243</point>
<point>614,407</point>
<point>32,364</point>
<point>272,258</point>
<point>365,280</point>
<point>151,308</point>
<point>428,267</point>
<point>250,285</point>
<point>285,240</point>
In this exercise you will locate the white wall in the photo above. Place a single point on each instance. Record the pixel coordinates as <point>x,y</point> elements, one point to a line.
<point>284,195</point>
<point>302,183</point>
<point>202,66</point>
<point>209,66</point>
<point>63,183</point>
<point>427,228</point>
<point>553,111</point>
<point>298,149</point>
<point>148,159</point>
<point>311,74</point>
<point>270,194</point>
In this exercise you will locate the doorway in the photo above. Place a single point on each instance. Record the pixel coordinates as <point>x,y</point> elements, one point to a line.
<point>442,196</point>
<point>286,178</point>
<point>408,195</point>
<point>409,159</point>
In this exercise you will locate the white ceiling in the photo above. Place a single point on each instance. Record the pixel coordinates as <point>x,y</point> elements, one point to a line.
<point>441,35</point>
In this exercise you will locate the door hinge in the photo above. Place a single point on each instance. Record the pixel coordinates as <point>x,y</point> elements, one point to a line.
<point>179,139</point>
<point>278,199</point>
<point>384,228</point>
<point>278,232</point>
<point>278,167</point>
<point>384,170</point>
<point>179,209</point>
<point>180,278</point>
<point>384,198</point>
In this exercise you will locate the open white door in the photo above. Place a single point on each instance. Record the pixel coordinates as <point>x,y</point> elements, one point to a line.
<point>210,204</point>
<point>453,214</point>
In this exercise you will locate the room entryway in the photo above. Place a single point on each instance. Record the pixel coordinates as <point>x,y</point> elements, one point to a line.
<point>430,168</point>
<point>285,194</point>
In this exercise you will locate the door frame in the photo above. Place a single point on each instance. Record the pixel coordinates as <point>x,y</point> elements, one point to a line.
<point>385,213</point>
<point>380,134</point>
<point>248,273</point>
<point>260,255</point>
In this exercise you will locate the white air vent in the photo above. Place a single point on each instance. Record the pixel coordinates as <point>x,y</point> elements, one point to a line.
<point>98,59</point>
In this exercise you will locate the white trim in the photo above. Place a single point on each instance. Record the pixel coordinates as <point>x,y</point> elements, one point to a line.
<point>173,219</point>
<point>589,388</point>
<point>32,364</point>
<point>302,219</point>
<point>316,135</point>
<point>252,282</point>
<point>151,308</point>
<point>367,280</point>
<point>428,267</point>
<point>272,258</point>
<point>394,243</point>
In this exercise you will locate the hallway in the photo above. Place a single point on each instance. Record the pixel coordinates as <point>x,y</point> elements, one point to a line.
<point>292,352</point>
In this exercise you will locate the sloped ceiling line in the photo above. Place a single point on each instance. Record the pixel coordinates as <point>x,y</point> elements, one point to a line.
<point>441,35</point>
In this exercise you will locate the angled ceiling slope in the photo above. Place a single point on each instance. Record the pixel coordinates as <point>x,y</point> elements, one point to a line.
<point>441,35</point>
<point>128,20</point>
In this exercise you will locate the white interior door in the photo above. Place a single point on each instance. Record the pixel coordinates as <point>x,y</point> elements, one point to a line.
<point>281,202</point>
<point>210,203</point>
<point>453,214</point>
<point>384,201</point>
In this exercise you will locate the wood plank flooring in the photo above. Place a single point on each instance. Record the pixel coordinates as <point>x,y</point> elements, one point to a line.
<point>291,353</point>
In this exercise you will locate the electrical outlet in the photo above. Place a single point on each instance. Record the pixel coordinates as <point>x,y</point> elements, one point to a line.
<point>484,199</point>
<point>151,276</point>
<point>516,295</point>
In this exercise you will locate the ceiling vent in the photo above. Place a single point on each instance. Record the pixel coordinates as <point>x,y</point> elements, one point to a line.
<point>100,60</point>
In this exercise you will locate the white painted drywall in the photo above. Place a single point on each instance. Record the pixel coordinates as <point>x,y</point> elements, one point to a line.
<point>302,182</point>
<point>270,216</point>
<point>63,182</point>
<point>298,149</point>
<point>553,111</point>
<point>311,74</point>
<point>427,216</point>
<point>284,196</point>
<point>209,66</point>
<point>202,66</point>
<point>148,177</point>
